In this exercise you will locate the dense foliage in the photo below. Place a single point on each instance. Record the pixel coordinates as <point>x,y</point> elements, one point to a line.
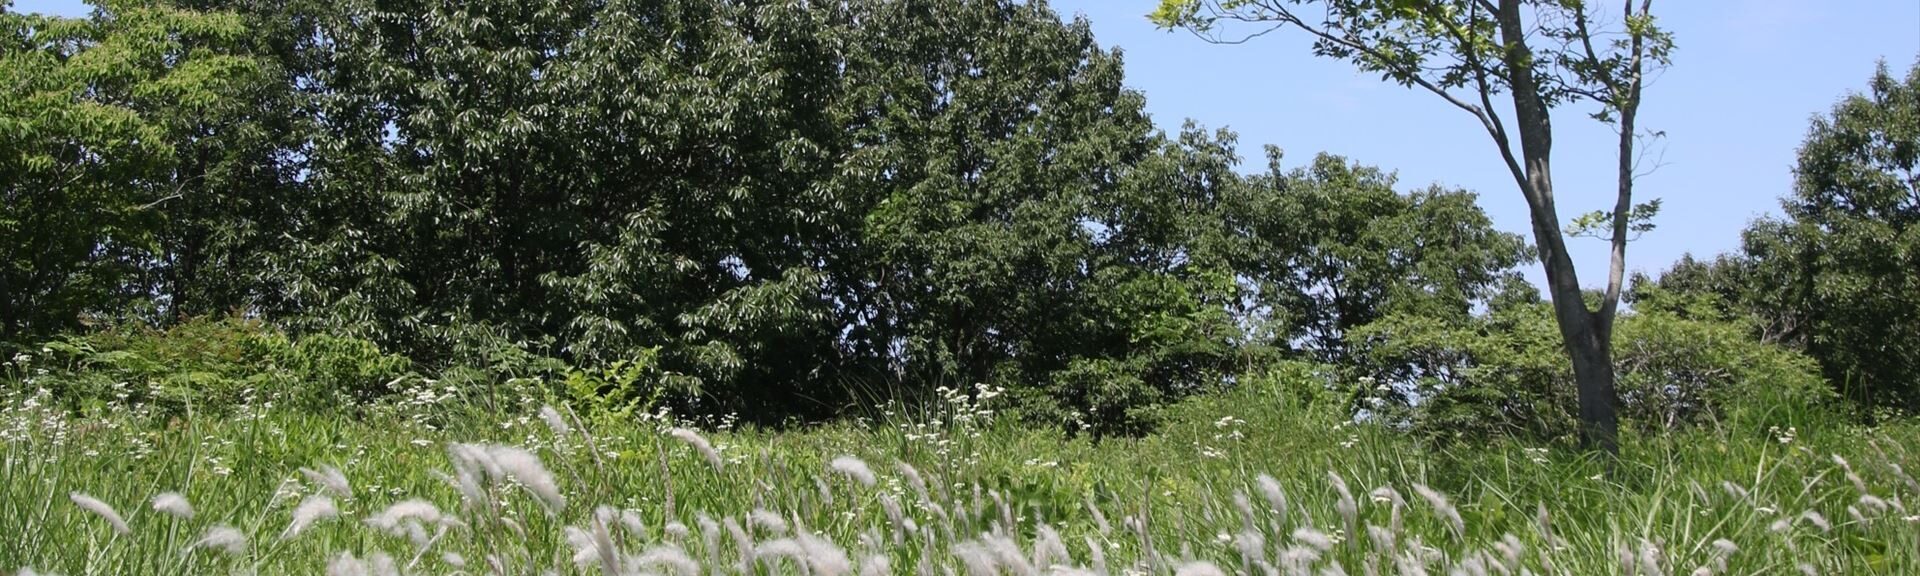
<point>796,211</point>
<point>757,208</point>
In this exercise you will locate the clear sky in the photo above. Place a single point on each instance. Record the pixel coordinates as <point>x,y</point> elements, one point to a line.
<point>1747,76</point>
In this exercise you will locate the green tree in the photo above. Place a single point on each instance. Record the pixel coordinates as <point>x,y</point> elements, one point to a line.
<point>90,125</point>
<point>1332,246</point>
<point>1836,276</point>
<point>1536,54</point>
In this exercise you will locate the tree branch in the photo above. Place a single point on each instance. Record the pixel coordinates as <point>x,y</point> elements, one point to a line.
<point>1629,107</point>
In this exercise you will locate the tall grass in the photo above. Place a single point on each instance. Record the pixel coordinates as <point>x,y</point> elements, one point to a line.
<point>1235,483</point>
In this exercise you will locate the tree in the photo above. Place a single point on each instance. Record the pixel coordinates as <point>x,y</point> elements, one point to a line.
<point>1539,54</point>
<point>92,167</point>
<point>1331,246</point>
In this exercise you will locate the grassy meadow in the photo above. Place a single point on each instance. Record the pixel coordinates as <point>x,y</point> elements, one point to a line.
<point>1246,481</point>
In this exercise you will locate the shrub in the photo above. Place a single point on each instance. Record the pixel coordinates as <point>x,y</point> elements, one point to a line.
<point>1505,374</point>
<point>213,365</point>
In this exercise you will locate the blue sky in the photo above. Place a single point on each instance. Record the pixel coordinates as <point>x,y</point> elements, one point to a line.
<point>1747,76</point>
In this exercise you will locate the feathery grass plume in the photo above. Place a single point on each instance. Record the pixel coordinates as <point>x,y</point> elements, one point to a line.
<point>978,560</point>
<point>1441,506</point>
<point>895,518</point>
<point>1099,518</point>
<point>875,565</point>
<point>631,521</point>
<point>854,468</point>
<point>453,559</point>
<point>587,550</point>
<point>344,564</point>
<point>526,469</point>
<point>1398,505</point>
<point>102,510</point>
<point>700,444</point>
<point>1276,498</point>
<point>1874,504</point>
<point>743,544</point>
<point>1198,568</point>
<point>1474,564</point>
<point>826,493</point>
<point>312,509</point>
<point>1314,538</point>
<point>1245,508</point>
<point>398,518</point>
<point>1650,559</point>
<point>1735,490</point>
<point>709,536</point>
<point>603,543</point>
<point>380,564</point>
<point>1048,549</point>
<point>1096,555</point>
<point>671,557</point>
<point>1006,511</point>
<point>1699,493</point>
<point>780,548</point>
<point>1781,524</point>
<point>1817,520</point>
<point>515,527</point>
<point>1854,512</point>
<point>223,538</point>
<point>1510,549</point>
<point>1252,546</point>
<point>1901,473</point>
<point>555,422</point>
<point>914,481</point>
<point>173,504</point>
<point>472,465</point>
<point>1348,509</point>
<point>1858,484</point>
<point>1383,539</point>
<point>330,479</point>
<point>1722,550</point>
<point>823,556</point>
<point>768,521</point>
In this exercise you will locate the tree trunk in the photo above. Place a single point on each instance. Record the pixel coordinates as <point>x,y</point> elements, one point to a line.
<point>1586,334</point>
<point>9,318</point>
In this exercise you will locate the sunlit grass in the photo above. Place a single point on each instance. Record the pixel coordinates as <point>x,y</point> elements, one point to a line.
<point>954,488</point>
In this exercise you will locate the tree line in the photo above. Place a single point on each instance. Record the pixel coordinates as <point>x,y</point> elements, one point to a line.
<point>769,208</point>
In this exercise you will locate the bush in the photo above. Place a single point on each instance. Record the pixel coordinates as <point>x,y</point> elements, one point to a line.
<point>210,365</point>
<point>1507,375</point>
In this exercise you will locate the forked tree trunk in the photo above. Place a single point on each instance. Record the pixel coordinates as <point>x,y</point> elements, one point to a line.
<point>1587,334</point>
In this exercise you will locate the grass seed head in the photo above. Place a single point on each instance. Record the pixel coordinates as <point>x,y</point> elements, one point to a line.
<point>330,479</point>
<point>173,504</point>
<point>313,509</point>
<point>101,509</point>
<point>555,422</point>
<point>223,538</point>
<point>1198,568</point>
<point>853,468</point>
<point>700,444</point>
